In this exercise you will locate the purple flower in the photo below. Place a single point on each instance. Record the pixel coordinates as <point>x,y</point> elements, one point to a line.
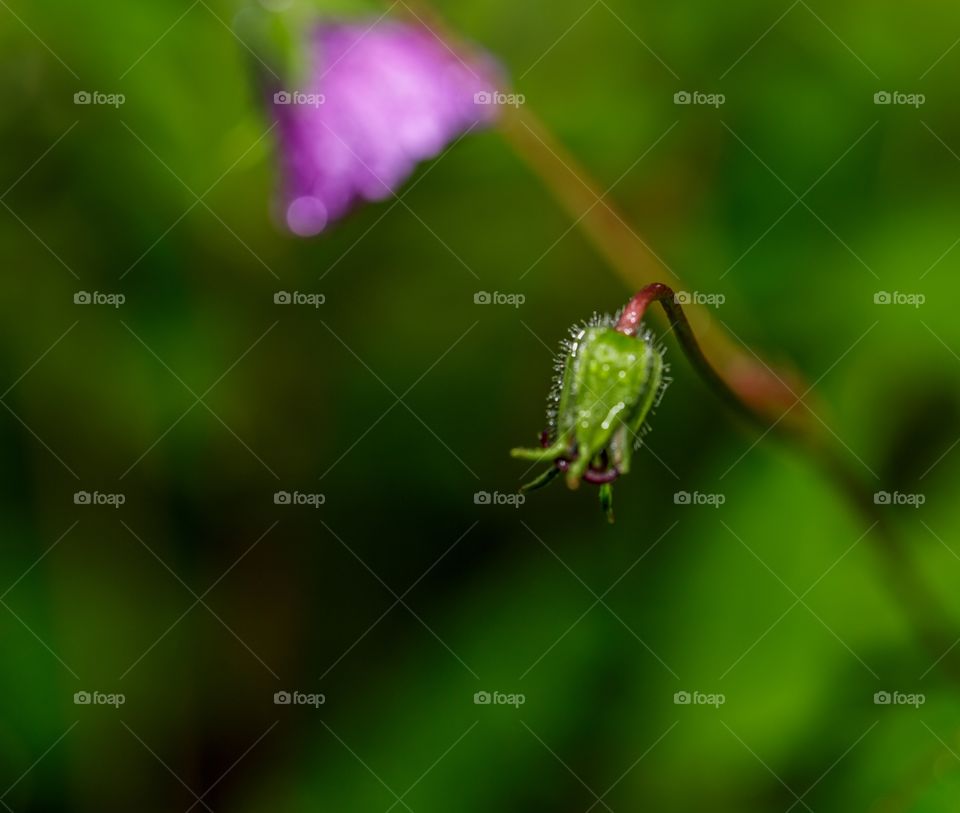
<point>378,100</point>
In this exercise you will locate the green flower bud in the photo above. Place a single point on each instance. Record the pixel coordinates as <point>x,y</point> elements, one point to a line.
<point>609,381</point>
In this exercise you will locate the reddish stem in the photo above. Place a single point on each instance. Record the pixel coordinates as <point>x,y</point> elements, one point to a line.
<point>629,325</point>
<point>633,314</point>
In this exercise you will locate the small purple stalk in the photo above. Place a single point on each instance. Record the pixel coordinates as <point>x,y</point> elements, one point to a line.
<point>629,324</point>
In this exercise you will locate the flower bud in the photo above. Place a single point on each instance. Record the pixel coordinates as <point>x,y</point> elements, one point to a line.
<point>608,383</point>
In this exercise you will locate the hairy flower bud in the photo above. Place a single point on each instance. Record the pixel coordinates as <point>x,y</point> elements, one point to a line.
<point>608,383</point>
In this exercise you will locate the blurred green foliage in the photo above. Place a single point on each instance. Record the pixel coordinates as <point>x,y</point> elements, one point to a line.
<point>700,598</point>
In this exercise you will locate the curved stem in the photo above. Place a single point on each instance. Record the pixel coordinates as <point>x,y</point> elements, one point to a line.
<point>634,261</point>
<point>629,324</point>
<point>905,581</point>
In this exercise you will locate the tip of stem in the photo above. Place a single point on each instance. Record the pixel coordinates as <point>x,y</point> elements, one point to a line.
<point>606,501</point>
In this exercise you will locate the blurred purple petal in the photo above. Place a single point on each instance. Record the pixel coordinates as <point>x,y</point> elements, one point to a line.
<point>379,100</point>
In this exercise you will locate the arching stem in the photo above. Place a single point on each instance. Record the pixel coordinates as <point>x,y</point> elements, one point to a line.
<point>927,615</point>
<point>629,324</point>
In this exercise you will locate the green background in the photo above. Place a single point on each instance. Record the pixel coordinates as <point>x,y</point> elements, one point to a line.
<point>399,597</point>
